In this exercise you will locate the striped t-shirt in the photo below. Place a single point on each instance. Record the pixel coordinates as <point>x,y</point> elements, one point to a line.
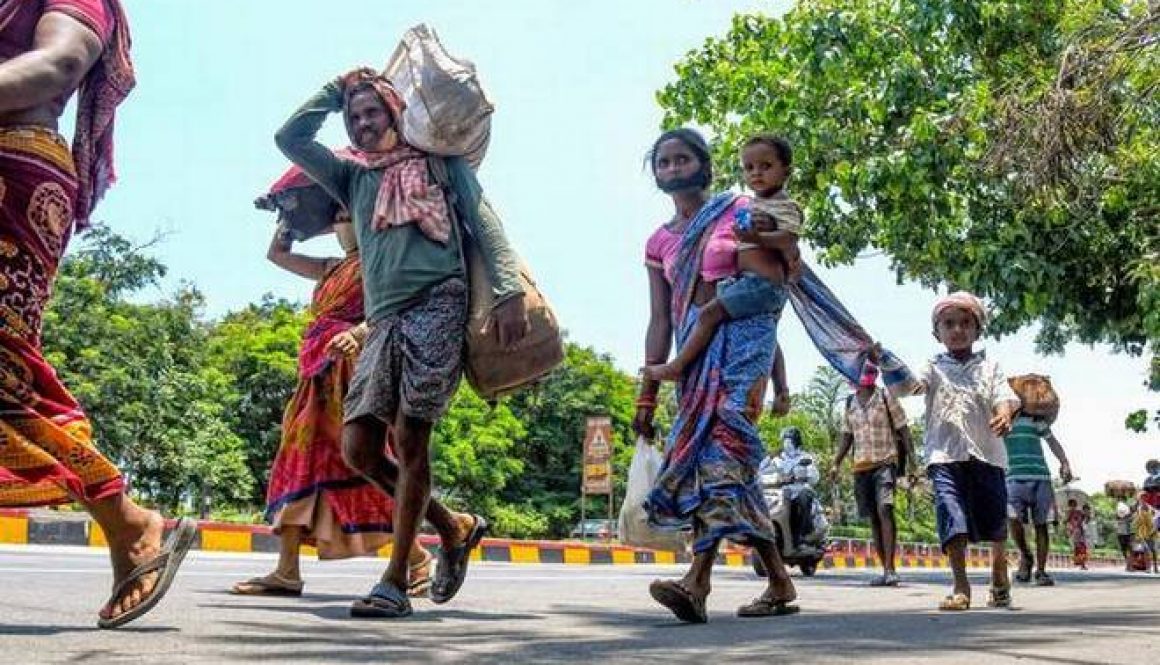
<point>1025,459</point>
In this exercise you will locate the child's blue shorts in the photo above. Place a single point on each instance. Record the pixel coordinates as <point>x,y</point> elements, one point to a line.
<point>970,498</point>
<point>750,294</point>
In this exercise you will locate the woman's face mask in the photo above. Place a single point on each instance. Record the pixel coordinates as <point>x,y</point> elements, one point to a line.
<point>677,168</point>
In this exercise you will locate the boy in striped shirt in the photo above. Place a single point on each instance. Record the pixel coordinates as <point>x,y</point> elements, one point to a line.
<point>1029,492</point>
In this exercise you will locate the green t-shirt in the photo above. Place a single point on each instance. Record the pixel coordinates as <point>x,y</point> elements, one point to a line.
<point>399,263</point>
<point>1025,460</point>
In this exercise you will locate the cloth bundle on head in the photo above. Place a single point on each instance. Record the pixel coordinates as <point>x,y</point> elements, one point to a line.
<point>960,300</point>
<point>305,208</point>
<point>295,177</point>
<point>405,195</point>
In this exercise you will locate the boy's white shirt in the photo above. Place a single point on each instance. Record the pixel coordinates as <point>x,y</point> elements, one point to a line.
<point>961,398</point>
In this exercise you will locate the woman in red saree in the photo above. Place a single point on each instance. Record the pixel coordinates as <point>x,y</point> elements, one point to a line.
<point>48,50</point>
<point>313,497</point>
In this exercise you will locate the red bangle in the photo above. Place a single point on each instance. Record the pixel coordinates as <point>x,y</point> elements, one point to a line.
<point>648,402</point>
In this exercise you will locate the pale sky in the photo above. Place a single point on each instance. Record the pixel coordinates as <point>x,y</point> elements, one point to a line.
<point>574,85</point>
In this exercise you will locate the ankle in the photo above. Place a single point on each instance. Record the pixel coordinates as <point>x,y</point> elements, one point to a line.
<point>130,524</point>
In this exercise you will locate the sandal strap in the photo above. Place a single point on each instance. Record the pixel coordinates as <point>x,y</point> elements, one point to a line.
<point>156,563</point>
<point>387,594</point>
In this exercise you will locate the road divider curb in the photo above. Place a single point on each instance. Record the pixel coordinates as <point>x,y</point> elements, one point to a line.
<point>47,527</point>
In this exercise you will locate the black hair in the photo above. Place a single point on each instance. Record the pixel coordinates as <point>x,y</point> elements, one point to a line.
<point>691,138</point>
<point>781,146</point>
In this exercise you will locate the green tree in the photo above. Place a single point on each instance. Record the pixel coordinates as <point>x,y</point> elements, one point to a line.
<point>473,462</point>
<point>554,414</point>
<point>1009,148</point>
<point>257,347</point>
<point>140,372</point>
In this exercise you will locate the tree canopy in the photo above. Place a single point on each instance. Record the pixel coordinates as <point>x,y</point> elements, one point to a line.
<point>1009,148</point>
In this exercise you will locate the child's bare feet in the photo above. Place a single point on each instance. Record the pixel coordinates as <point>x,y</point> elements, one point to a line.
<point>665,372</point>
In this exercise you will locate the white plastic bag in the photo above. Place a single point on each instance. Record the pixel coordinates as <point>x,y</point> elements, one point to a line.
<point>447,113</point>
<point>634,526</point>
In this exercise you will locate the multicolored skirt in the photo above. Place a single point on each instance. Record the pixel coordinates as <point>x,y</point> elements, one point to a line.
<point>709,480</point>
<point>311,486</point>
<point>46,449</point>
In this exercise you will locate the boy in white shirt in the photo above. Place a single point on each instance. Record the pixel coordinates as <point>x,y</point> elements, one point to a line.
<point>969,408</point>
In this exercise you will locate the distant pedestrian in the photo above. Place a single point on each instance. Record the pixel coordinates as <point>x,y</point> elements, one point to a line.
<point>1078,535</point>
<point>874,426</point>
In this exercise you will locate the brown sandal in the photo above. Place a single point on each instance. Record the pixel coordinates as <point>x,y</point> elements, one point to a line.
<point>270,585</point>
<point>959,602</point>
<point>766,606</point>
<point>680,601</point>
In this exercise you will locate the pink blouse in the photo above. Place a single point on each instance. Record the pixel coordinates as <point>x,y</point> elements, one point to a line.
<point>720,257</point>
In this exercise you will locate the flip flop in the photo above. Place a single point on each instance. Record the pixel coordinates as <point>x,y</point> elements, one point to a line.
<point>680,601</point>
<point>165,564</point>
<point>385,601</point>
<point>767,607</point>
<point>270,585</point>
<point>452,568</point>
<point>1000,596</point>
<point>419,577</point>
<point>959,602</point>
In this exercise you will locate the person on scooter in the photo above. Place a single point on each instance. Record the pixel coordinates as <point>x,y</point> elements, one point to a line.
<point>801,473</point>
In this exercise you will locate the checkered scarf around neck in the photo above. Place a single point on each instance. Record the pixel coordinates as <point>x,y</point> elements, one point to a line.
<point>404,197</point>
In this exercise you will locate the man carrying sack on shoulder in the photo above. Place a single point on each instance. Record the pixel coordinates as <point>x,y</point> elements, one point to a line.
<point>416,299</point>
<point>874,425</point>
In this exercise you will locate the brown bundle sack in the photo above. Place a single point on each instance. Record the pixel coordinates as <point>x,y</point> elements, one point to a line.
<point>492,370</point>
<point>1120,489</point>
<point>1037,395</point>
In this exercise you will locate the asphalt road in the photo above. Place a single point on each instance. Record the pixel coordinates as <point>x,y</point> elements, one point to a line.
<point>556,614</point>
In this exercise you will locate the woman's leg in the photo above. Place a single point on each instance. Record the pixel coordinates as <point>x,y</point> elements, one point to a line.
<point>290,542</point>
<point>781,589</point>
<point>134,535</point>
<point>698,578</point>
<point>685,597</point>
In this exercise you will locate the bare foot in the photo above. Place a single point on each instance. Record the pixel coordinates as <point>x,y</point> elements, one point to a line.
<point>665,372</point>
<point>127,551</point>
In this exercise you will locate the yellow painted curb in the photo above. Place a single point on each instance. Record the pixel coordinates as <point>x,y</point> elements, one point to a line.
<point>579,555</point>
<point>665,557</point>
<point>97,536</point>
<point>225,541</point>
<point>524,553</point>
<point>620,556</point>
<point>14,530</point>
